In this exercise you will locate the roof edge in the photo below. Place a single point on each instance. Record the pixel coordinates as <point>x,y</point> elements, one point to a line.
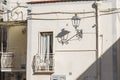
<point>54,1</point>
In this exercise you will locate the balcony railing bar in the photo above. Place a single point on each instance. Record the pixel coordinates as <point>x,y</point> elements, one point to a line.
<point>43,63</point>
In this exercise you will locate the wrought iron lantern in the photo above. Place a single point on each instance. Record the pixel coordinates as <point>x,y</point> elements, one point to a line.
<point>62,37</point>
<point>75,21</point>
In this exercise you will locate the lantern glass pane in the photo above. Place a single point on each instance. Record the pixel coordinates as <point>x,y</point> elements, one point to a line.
<point>75,23</point>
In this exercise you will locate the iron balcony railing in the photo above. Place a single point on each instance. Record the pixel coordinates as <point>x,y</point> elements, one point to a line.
<point>43,63</point>
<point>12,62</point>
<point>7,60</point>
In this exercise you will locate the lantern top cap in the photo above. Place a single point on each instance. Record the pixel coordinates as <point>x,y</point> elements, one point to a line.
<point>75,17</point>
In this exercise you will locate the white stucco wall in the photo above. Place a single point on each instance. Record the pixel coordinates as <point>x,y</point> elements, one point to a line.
<point>77,57</point>
<point>116,33</point>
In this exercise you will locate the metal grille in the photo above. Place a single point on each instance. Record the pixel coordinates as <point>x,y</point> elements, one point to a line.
<point>43,65</point>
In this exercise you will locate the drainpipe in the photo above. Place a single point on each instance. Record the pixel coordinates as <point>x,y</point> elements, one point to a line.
<point>97,42</point>
<point>95,6</point>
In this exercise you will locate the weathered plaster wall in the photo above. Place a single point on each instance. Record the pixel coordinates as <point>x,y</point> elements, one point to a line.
<point>17,42</point>
<point>78,57</point>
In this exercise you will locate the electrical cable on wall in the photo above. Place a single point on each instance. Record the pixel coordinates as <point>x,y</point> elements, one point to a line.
<point>89,12</point>
<point>104,12</point>
<point>74,13</point>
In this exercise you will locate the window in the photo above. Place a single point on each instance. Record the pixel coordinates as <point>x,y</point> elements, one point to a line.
<point>44,62</point>
<point>46,48</point>
<point>46,42</point>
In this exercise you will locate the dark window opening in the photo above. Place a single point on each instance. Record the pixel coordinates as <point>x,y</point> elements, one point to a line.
<point>3,39</point>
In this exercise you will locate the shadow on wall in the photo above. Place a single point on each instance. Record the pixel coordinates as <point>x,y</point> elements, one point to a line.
<point>108,65</point>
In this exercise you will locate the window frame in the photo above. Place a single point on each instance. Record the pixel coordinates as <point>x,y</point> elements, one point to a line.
<point>39,40</point>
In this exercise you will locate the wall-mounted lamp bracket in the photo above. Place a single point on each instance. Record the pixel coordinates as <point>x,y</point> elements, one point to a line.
<point>62,37</point>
